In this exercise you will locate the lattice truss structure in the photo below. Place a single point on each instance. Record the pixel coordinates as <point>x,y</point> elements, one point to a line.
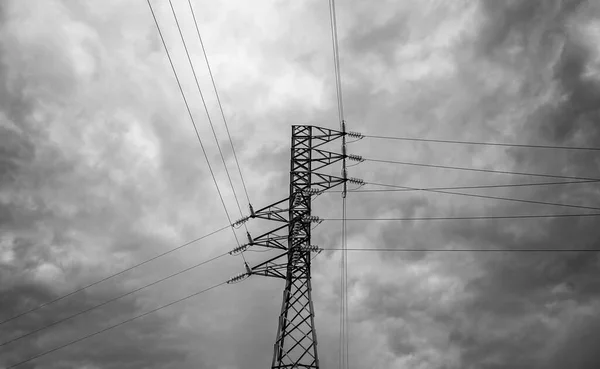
<point>296,340</point>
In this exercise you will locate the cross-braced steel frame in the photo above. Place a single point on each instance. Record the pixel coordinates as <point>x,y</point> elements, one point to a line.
<point>296,340</point>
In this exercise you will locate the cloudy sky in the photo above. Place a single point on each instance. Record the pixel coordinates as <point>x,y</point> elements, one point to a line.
<point>100,169</point>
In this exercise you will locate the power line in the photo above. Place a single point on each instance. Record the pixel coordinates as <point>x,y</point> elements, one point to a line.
<point>404,189</point>
<point>484,143</point>
<point>484,217</point>
<point>344,263</point>
<point>346,310</point>
<point>344,288</point>
<point>219,101</point>
<point>207,114</point>
<point>112,276</point>
<point>464,250</point>
<point>494,197</point>
<point>114,326</point>
<point>111,300</point>
<point>342,291</point>
<point>336,61</point>
<point>480,170</point>
<point>205,108</point>
<point>440,190</point>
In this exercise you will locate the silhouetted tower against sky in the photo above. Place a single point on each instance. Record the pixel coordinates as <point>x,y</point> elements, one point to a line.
<point>296,339</point>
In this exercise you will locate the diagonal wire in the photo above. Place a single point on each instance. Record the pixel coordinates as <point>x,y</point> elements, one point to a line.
<point>489,197</point>
<point>219,102</point>
<point>402,189</point>
<point>462,250</point>
<point>480,170</point>
<point>482,217</point>
<point>485,143</point>
<point>111,300</point>
<point>205,107</point>
<point>209,121</point>
<point>344,262</point>
<point>336,62</point>
<point>112,275</point>
<point>114,326</point>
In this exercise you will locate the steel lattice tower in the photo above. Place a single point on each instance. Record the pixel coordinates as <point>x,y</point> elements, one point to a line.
<point>296,340</point>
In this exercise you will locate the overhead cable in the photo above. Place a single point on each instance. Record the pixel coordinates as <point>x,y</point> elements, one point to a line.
<point>207,115</point>
<point>491,197</point>
<point>480,170</point>
<point>219,102</point>
<point>461,250</point>
<point>485,143</point>
<point>482,217</point>
<point>114,326</point>
<point>112,276</point>
<point>343,350</point>
<point>404,189</point>
<point>110,300</point>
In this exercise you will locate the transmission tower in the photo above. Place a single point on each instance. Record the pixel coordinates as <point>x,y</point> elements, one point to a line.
<point>296,339</point>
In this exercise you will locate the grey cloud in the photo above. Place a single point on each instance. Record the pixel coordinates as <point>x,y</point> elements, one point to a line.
<point>52,198</point>
<point>382,41</point>
<point>577,345</point>
<point>513,286</point>
<point>506,19</point>
<point>538,28</point>
<point>400,343</point>
<point>578,113</point>
<point>497,289</point>
<point>16,149</point>
<point>138,344</point>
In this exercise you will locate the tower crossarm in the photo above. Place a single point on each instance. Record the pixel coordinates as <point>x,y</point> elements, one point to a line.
<point>274,211</point>
<point>272,239</point>
<point>322,158</point>
<point>321,135</point>
<point>275,267</point>
<point>325,182</point>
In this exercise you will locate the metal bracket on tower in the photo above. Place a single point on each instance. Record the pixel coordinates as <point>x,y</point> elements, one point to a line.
<point>272,239</point>
<point>269,212</point>
<point>271,268</point>
<point>322,158</point>
<point>273,212</point>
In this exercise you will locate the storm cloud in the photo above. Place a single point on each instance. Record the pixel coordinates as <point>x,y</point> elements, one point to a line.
<point>100,169</point>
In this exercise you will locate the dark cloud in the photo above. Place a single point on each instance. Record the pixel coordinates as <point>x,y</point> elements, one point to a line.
<point>57,208</point>
<point>511,287</point>
<point>576,345</point>
<point>16,150</point>
<point>510,19</point>
<point>137,344</point>
<point>520,285</point>
<point>573,120</point>
<point>539,29</point>
<point>99,167</point>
